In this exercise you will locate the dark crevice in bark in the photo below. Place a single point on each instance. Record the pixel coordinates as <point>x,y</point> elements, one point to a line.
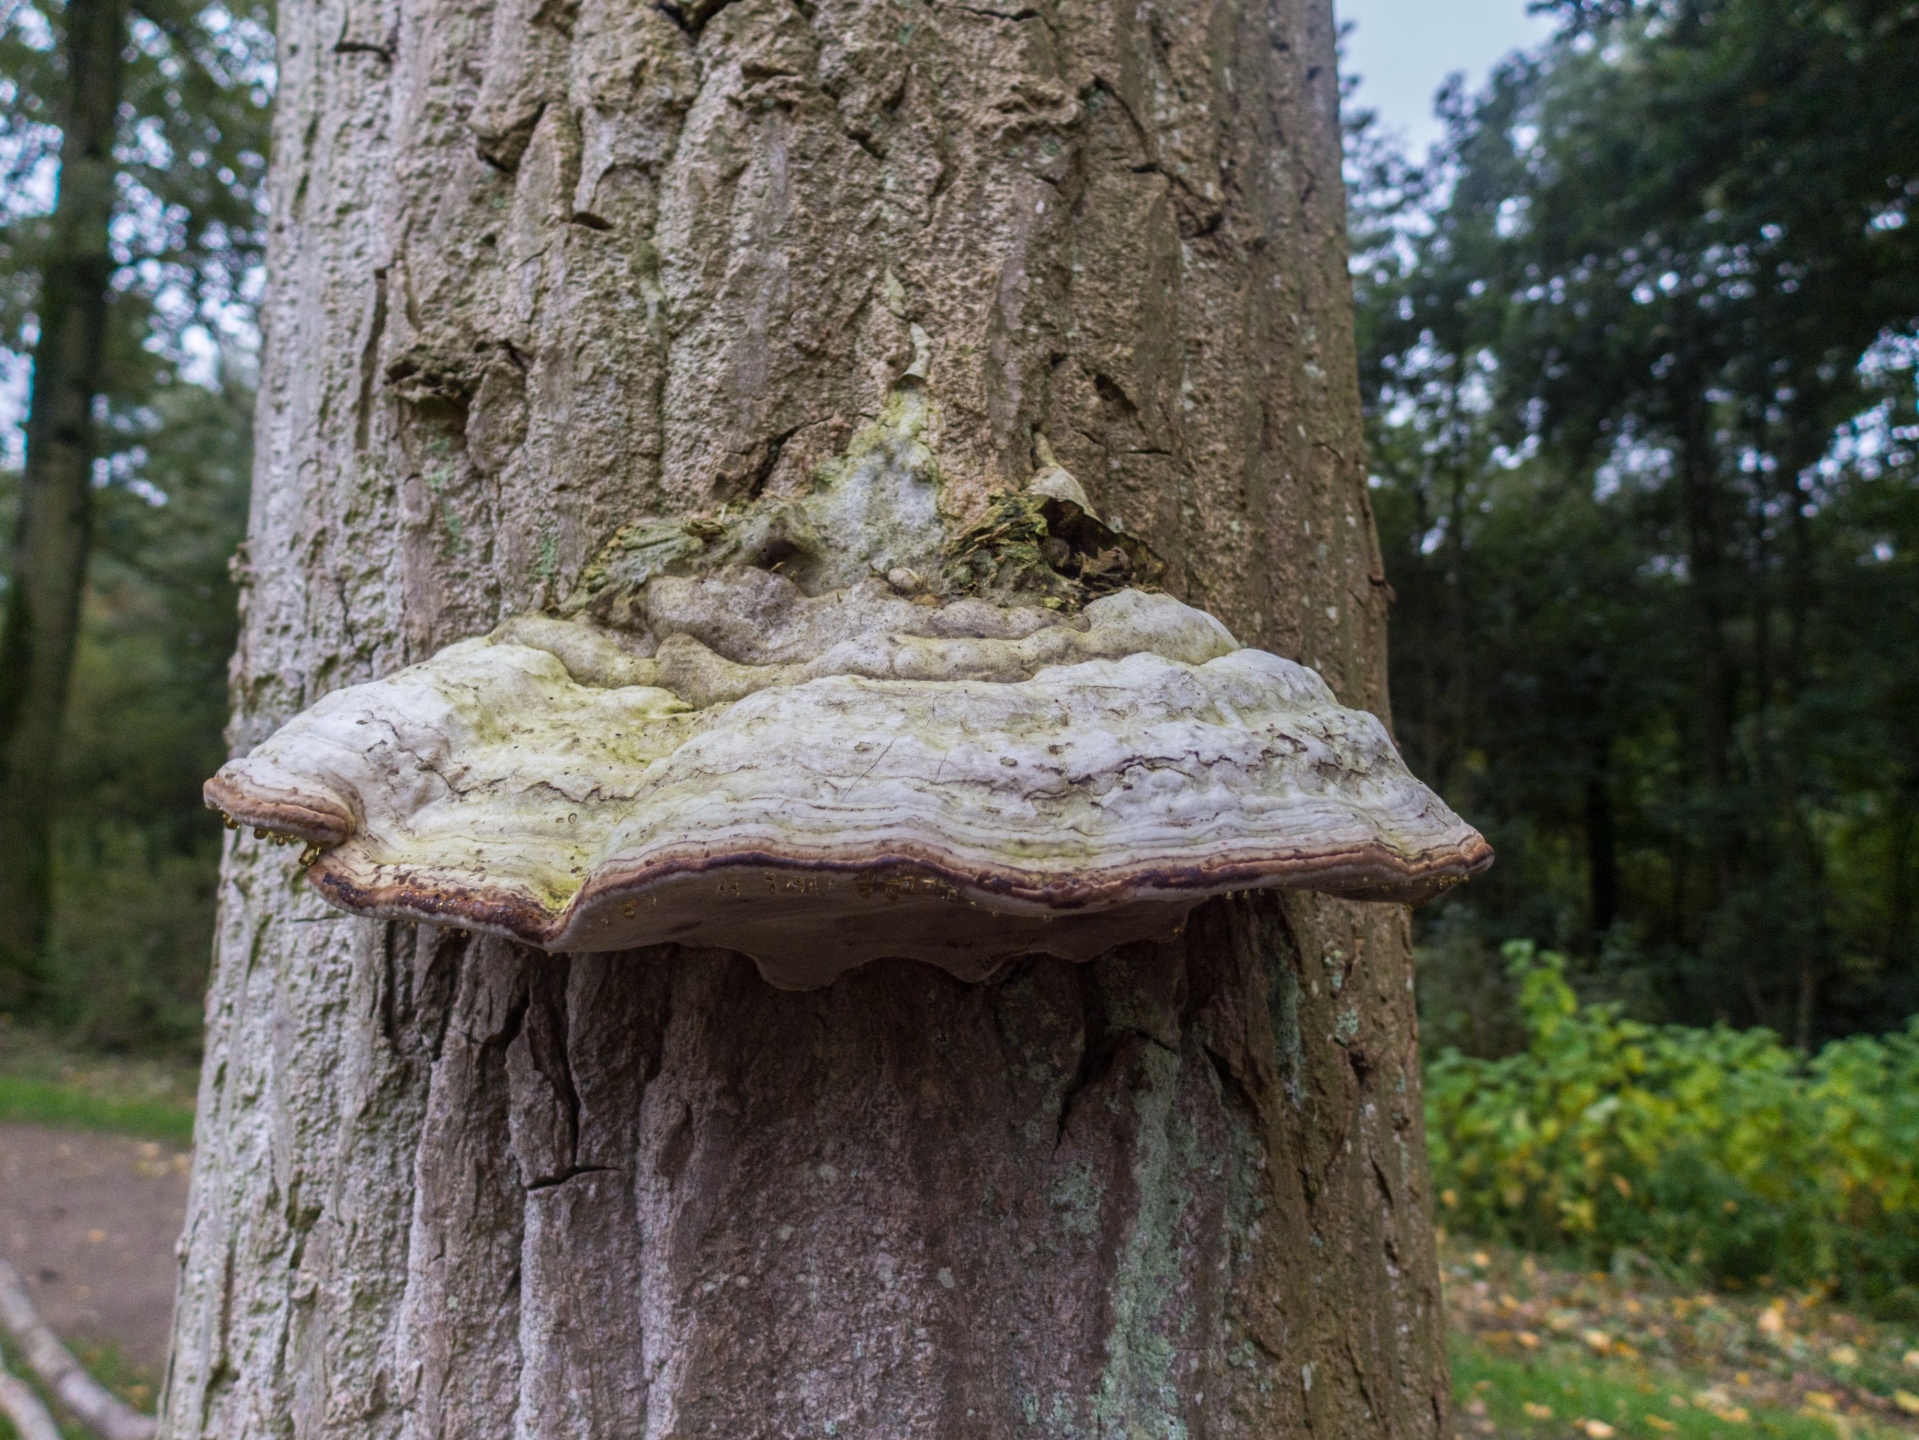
<point>571,1173</point>
<point>504,149</point>
<point>1233,1090</point>
<point>344,46</point>
<point>1023,14</point>
<point>1384,1185</point>
<point>692,18</point>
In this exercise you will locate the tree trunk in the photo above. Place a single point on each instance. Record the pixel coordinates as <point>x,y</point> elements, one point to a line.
<point>1602,845</point>
<point>542,268</point>
<point>42,612</point>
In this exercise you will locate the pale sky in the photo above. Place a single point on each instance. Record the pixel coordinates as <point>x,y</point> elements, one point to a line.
<point>1402,50</point>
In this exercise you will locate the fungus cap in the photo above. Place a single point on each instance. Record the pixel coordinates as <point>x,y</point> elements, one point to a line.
<point>861,777</point>
<point>734,735</point>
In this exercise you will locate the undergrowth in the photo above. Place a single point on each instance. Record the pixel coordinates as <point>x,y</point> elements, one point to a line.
<point>1709,1155</point>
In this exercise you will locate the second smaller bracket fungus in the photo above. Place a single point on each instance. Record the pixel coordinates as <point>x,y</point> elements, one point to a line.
<point>828,774</point>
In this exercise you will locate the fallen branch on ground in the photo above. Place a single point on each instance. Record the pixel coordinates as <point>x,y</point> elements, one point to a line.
<point>91,1403</point>
<point>20,1405</point>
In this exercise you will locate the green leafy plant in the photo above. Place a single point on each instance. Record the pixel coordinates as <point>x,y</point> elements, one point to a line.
<point>1717,1152</point>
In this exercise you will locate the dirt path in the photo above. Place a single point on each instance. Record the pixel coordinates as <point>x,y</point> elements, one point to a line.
<point>90,1222</point>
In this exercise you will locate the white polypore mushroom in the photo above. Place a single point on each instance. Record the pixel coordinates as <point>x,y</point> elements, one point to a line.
<point>820,780</point>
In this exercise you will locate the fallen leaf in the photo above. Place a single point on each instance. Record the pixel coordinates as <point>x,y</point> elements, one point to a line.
<point>1660,1423</point>
<point>1906,1401</point>
<point>1537,1411</point>
<point>1822,1400</point>
<point>1911,1360</point>
<point>1528,1339</point>
<point>1597,1430</point>
<point>1843,1355</point>
<point>1772,1320</point>
<point>1597,1341</point>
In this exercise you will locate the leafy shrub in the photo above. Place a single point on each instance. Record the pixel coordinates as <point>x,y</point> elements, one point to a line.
<point>1714,1153</point>
<point>132,933</point>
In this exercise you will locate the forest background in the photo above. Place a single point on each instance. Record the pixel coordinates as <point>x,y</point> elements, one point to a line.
<point>1638,343</point>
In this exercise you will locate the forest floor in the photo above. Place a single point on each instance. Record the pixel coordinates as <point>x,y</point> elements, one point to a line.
<point>93,1189</point>
<point>1545,1350</point>
<point>93,1162</point>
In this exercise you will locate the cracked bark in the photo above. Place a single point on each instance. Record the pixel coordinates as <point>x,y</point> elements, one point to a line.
<point>538,269</point>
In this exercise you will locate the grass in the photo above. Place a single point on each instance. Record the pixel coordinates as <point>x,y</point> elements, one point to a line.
<point>1559,1396</point>
<point>1541,1350</point>
<point>51,1102</point>
<point>44,1083</point>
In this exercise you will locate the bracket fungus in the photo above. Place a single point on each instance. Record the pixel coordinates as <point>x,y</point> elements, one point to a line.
<point>828,729</point>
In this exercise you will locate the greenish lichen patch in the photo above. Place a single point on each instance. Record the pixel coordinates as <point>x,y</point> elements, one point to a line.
<point>1139,1392</point>
<point>771,534</point>
<point>877,510</point>
<point>878,505</point>
<point>1039,547</point>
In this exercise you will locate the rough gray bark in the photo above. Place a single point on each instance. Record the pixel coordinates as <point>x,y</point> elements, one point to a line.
<point>539,268</point>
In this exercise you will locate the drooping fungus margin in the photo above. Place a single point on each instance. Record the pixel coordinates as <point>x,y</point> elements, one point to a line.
<point>739,738</point>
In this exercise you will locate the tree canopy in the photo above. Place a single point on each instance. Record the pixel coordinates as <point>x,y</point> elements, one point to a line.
<point>1638,345</point>
<point>135,853</point>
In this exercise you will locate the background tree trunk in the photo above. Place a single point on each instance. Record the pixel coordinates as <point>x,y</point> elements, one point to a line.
<point>541,267</point>
<point>41,620</point>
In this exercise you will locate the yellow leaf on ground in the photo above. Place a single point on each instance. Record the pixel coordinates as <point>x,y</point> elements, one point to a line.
<point>1660,1423</point>
<point>1843,1355</point>
<point>1911,1360</point>
<point>1597,1341</point>
<point>1528,1339</point>
<point>1537,1411</point>
<point>1906,1401</point>
<point>1597,1430</point>
<point>1822,1400</point>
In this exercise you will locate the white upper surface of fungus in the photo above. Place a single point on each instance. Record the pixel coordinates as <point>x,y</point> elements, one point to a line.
<point>820,780</point>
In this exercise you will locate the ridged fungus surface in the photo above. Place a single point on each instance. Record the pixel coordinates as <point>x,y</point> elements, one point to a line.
<point>835,729</point>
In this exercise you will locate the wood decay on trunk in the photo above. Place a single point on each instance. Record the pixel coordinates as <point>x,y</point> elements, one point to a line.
<point>824,778</point>
<point>450,1187</point>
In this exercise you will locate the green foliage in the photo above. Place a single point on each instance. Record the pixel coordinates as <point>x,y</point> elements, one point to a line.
<point>1638,348</point>
<point>1717,1152</point>
<point>136,855</point>
<point>190,221</point>
<point>137,852</point>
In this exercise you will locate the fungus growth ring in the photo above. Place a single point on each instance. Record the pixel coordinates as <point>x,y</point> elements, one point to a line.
<point>737,734</point>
